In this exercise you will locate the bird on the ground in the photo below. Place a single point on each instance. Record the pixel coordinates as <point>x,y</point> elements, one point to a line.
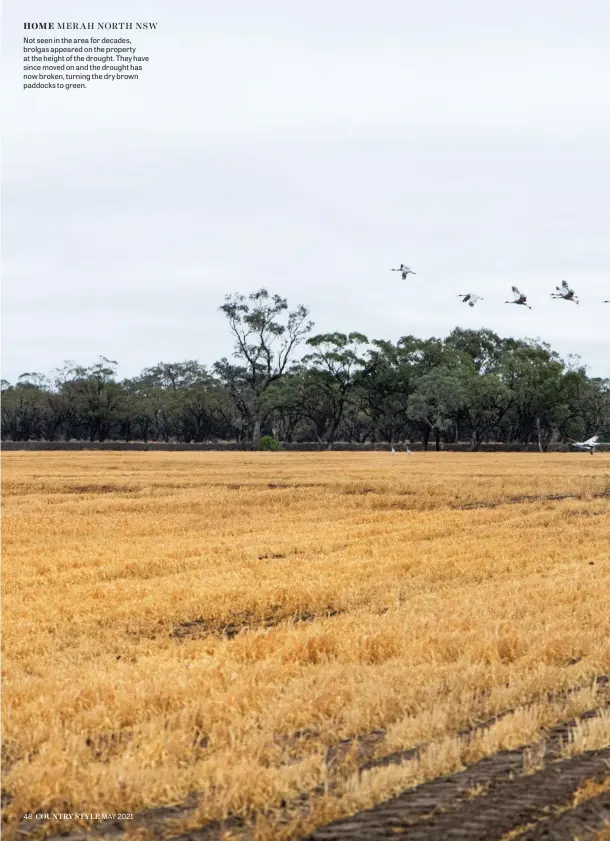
<point>409,452</point>
<point>405,271</point>
<point>393,451</point>
<point>565,292</point>
<point>470,298</point>
<point>520,298</point>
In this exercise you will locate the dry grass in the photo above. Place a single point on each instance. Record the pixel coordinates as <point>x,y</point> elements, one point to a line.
<point>172,621</point>
<point>589,735</point>
<point>590,790</point>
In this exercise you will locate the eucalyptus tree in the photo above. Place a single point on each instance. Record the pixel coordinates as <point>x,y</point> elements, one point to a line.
<point>23,407</point>
<point>384,390</point>
<point>484,347</point>
<point>487,399</point>
<point>266,338</point>
<point>435,402</point>
<point>96,396</point>
<point>535,375</point>
<point>331,372</point>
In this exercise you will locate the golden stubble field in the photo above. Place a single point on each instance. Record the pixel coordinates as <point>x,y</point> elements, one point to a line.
<point>222,624</point>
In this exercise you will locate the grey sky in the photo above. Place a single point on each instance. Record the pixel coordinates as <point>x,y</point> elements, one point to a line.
<point>309,148</point>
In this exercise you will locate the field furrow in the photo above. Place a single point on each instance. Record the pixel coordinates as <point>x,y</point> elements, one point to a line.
<point>483,803</point>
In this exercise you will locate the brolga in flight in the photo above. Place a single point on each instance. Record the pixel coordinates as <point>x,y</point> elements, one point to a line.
<point>520,298</point>
<point>589,444</point>
<point>470,298</point>
<point>405,271</point>
<point>565,292</point>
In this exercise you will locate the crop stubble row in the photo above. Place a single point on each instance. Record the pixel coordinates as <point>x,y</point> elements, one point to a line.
<point>434,810</point>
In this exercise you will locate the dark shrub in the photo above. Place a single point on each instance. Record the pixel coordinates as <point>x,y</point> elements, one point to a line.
<point>269,443</point>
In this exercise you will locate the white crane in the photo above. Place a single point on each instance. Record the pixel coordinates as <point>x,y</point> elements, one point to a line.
<point>520,298</point>
<point>405,271</point>
<point>589,444</point>
<point>470,298</point>
<point>565,292</point>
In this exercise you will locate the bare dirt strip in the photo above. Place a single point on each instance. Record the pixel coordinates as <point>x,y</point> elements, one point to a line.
<point>443,809</point>
<point>422,806</point>
<point>584,822</point>
<point>519,500</point>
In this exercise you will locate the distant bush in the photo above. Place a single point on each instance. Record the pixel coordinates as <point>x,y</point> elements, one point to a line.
<point>269,443</point>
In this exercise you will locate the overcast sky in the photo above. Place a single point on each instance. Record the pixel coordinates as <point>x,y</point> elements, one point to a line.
<point>309,148</point>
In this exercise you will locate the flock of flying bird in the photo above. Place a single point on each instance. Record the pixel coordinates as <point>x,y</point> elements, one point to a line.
<point>564,291</point>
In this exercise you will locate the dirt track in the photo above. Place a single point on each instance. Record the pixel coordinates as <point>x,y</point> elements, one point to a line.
<point>443,809</point>
<point>582,822</point>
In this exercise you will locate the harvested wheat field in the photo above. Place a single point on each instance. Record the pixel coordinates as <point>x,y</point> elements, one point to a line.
<point>262,645</point>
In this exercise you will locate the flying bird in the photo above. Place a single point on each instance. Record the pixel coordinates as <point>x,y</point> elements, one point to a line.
<point>470,298</point>
<point>565,292</point>
<point>520,298</point>
<point>589,444</point>
<point>405,271</point>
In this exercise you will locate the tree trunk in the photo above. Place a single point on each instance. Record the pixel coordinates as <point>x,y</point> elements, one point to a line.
<point>437,434</point>
<point>334,428</point>
<point>426,438</point>
<point>256,433</point>
<point>539,435</point>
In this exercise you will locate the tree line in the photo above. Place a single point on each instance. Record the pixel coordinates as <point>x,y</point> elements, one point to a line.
<point>472,386</point>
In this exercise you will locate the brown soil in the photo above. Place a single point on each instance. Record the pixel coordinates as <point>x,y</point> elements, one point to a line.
<point>518,500</point>
<point>100,489</point>
<point>442,809</point>
<point>582,823</point>
<point>201,627</point>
